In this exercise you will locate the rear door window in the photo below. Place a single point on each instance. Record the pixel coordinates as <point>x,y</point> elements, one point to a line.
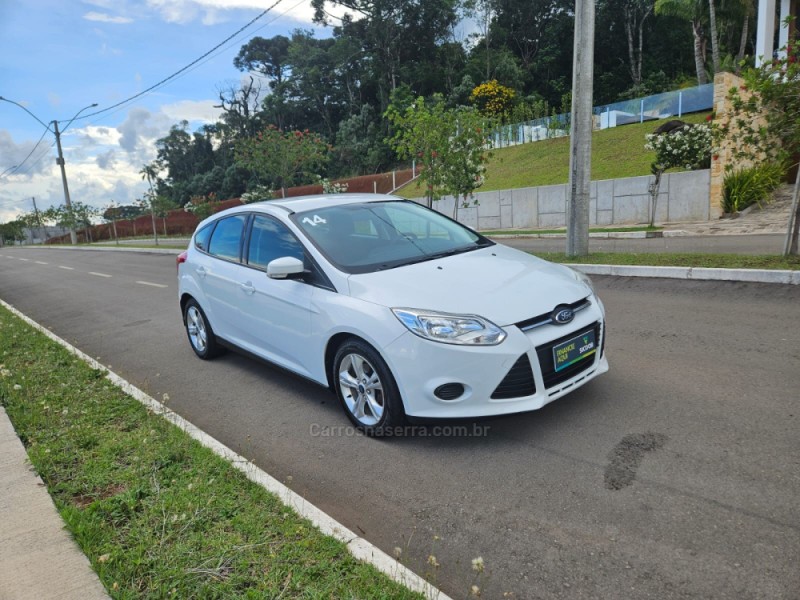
<point>226,241</point>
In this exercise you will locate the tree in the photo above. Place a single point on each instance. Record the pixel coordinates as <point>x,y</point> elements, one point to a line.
<point>283,157</point>
<point>483,12</point>
<point>161,207</point>
<point>111,215</point>
<point>422,131</point>
<point>465,156</point>
<point>78,216</point>
<point>765,111</point>
<point>694,12</point>
<point>240,106</point>
<point>492,99</point>
<point>150,173</point>
<point>449,143</point>
<point>687,147</point>
<point>267,57</point>
<point>635,13</point>
<point>12,231</point>
<point>360,148</point>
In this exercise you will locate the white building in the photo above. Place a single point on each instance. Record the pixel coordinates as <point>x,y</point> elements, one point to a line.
<point>766,25</point>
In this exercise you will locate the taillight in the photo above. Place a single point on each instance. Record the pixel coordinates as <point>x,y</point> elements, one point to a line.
<point>181,259</point>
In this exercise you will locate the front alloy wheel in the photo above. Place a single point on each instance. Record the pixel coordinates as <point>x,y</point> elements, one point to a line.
<point>361,389</point>
<point>366,388</point>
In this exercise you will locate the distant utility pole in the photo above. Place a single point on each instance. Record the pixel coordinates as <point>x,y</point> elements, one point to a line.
<point>39,218</point>
<point>60,160</point>
<point>580,141</point>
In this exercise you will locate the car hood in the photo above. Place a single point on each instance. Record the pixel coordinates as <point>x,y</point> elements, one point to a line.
<point>499,283</point>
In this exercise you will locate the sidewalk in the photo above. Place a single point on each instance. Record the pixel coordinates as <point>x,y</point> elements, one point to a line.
<point>38,558</point>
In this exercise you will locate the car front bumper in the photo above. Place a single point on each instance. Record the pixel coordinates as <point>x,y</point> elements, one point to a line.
<point>420,366</point>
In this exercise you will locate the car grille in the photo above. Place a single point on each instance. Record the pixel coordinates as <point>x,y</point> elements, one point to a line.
<point>545,354</point>
<point>518,382</point>
<point>545,319</point>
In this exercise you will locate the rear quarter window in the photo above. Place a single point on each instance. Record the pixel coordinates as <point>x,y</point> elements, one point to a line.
<point>202,237</point>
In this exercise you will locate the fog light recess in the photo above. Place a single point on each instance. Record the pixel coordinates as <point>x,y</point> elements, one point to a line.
<point>449,391</point>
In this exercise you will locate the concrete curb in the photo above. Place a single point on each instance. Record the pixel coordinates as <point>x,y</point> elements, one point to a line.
<point>694,273</point>
<point>604,235</point>
<point>360,548</point>
<point>631,235</point>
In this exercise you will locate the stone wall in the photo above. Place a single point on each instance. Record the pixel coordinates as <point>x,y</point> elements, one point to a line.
<point>682,197</point>
<point>723,156</point>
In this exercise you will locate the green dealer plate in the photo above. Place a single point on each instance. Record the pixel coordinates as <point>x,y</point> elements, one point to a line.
<point>569,352</point>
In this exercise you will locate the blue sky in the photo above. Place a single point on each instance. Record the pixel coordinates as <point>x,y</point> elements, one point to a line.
<point>57,57</point>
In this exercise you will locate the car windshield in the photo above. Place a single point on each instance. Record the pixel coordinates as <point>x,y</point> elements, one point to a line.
<point>372,236</point>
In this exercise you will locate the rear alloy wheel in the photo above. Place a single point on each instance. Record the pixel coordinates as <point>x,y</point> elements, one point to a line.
<point>366,388</point>
<point>201,336</point>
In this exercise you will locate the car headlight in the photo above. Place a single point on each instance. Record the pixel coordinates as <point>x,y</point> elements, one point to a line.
<point>465,330</point>
<point>583,278</point>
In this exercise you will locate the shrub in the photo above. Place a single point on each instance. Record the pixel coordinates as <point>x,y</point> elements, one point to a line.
<point>750,185</point>
<point>688,147</point>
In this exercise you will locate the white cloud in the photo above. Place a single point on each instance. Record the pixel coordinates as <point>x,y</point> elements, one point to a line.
<point>14,154</point>
<point>210,11</point>
<point>202,111</point>
<point>106,18</point>
<point>102,162</point>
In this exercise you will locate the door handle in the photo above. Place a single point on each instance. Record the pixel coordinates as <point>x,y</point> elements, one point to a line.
<point>201,271</point>
<point>247,287</point>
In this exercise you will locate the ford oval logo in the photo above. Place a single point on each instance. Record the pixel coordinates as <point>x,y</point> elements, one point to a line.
<point>562,316</point>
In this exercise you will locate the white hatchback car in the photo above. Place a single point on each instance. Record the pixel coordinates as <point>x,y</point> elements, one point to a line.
<point>399,309</point>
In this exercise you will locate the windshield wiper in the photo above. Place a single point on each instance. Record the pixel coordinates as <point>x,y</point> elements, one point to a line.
<point>442,254</point>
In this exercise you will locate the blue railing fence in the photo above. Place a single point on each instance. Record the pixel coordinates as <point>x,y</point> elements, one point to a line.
<point>650,108</point>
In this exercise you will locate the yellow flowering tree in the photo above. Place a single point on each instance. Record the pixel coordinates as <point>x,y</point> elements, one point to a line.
<point>493,99</point>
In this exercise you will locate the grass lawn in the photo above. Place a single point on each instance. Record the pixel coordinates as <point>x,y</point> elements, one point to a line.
<point>158,515</point>
<point>616,152</point>
<point>719,261</point>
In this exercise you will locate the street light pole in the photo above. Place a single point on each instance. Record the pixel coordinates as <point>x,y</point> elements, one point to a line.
<point>60,160</point>
<point>580,155</point>
<point>73,237</point>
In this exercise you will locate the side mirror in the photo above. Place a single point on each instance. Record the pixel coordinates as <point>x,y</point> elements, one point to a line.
<point>285,267</point>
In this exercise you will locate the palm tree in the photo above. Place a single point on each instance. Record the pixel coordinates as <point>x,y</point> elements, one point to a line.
<point>150,172</point>
<point>712,24</point>
<point>694,12</point>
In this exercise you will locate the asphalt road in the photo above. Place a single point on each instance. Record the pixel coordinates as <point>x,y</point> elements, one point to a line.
<point>675,475</point>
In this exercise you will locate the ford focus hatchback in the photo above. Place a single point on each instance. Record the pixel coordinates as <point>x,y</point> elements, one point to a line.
<point>400,310</point>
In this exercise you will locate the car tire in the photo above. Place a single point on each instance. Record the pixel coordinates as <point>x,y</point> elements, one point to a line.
<point>198,330</point>
<point>367,390</point>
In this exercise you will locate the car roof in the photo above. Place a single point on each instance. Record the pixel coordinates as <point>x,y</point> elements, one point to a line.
<point>304,203</point>
<point>301,204</point>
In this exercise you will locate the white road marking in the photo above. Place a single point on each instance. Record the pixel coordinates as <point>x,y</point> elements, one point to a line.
<point>158,285</point>
<point>24,259</point>
<point>66,268</point>
<point>39,262</point>
<point>99,274</point>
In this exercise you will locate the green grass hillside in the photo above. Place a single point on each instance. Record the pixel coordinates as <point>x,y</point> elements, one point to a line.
<point>616,152</point>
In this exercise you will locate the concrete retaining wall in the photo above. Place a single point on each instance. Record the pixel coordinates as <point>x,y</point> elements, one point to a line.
<point>682,197</point>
